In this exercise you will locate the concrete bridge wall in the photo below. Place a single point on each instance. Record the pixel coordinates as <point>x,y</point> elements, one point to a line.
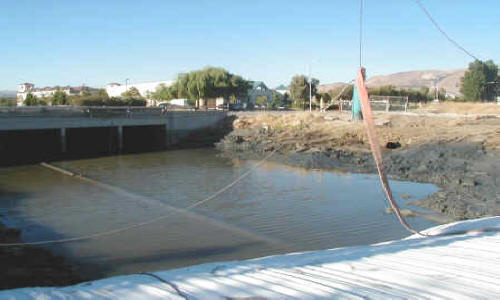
<point>29,135</point>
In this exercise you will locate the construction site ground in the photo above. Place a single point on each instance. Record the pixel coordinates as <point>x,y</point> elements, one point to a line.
<point>455,146</point>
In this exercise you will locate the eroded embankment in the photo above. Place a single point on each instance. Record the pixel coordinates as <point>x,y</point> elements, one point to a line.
<point>24,266</point>
<point>459,154</point>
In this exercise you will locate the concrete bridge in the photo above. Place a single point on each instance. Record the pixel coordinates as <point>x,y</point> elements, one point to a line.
<point>42,133</point>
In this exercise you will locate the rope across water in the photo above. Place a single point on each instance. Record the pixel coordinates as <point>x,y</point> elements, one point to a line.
<point>150,221</point>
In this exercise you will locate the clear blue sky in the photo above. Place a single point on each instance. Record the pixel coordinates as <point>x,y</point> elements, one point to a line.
<point>96,42</point>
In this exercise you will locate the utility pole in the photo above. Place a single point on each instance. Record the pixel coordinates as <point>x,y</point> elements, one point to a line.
<point>310,88</point>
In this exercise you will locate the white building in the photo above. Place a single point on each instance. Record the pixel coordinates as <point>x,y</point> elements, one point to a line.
<point>176,102</point>
<point>144,88</point>
<point>282,90</point>
<point>29,88</point>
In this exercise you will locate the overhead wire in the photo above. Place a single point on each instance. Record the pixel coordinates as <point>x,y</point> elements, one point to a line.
<point>360,33</point>
<point>438,27</point>
<point>373,142</point>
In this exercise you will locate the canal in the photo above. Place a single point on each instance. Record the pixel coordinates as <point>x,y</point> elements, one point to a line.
<point>276,209</point>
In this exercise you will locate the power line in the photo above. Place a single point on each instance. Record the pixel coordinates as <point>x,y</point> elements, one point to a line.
<point>455,43</point>
<point>360,32</point>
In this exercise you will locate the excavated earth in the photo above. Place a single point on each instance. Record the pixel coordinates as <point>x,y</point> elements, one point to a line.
<point>458,153</point>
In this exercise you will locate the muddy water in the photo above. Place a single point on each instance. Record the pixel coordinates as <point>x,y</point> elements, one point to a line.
<point>276,209</point>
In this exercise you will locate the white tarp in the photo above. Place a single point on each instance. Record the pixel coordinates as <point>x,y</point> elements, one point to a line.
<point>463,264</point>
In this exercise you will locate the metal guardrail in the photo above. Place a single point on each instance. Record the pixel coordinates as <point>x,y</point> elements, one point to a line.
<point>84,112</point>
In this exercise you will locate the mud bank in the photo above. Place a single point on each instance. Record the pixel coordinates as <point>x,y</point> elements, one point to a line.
<point>464,164</point>
<point>24,266</point>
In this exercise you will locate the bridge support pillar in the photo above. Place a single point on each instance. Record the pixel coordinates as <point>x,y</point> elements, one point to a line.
<point>120,139</point>
<point>166,136</point>
<point>63,140</point>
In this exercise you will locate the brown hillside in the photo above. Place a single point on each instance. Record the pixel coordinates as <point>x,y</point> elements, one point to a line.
<point>447,79</point>
<point>324,88</point>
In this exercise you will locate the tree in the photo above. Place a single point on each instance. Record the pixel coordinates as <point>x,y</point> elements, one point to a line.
<point>442,94</point>
<point>101,93</point>
<point>346,92</point>
<point>261,101</point>
<point>206,83</point>
<point>59,98</point>
<point>7,101</point>
<point>31,100</point>
<point>299,90</point>
<point>424,90</point>
<point>286,100</point>
<point>475,83</point>
<point>277,99</point>
<point>132,93</point>
<point>326,97</point>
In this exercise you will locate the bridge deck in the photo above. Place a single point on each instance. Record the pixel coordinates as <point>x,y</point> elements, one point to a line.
<point>33,118</point>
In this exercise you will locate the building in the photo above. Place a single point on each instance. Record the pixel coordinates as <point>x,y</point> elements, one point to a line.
<point>29,88</point>
<point>144,88</point>
<point>282,90</point>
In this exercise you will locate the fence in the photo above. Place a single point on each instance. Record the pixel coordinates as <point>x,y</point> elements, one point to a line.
<point>381,103</point>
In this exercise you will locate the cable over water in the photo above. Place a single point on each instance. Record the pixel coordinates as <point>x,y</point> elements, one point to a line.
<point>146,222</point>
<point>141,224</point>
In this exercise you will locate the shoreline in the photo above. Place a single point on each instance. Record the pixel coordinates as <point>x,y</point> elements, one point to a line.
<point>25,266</point>
<point>464,168</point>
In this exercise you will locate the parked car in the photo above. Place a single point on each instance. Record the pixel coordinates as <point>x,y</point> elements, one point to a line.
<point>221,107</point>
<point>236,107</point>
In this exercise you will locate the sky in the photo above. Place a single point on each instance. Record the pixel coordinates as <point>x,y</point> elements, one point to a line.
<point>91,42</point>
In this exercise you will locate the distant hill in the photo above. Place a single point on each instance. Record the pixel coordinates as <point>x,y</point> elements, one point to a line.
<point>324,88</point>
<point>8,94</point>
<point>447,79</point>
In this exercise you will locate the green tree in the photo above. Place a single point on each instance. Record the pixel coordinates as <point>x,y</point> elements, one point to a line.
<point>7,101</point>
<point>424,91</point>
<point>59,98</point>
<point>442,94</point>
<point>299,90</point>
<point>206,83</point>
<point>261,101</point>
<point>31,100</point>
<point>102,94</point>
<point>342,92</point>
<point>326,97</point>
<point>132,93</point>
<point>286,100</point>
<point>277,99</point>
<point>475,83</point>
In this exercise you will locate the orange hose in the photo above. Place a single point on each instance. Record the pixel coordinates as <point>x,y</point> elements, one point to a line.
<point>375,147</point>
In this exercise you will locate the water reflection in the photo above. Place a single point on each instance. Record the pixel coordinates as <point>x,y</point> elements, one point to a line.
<point>275,209</point>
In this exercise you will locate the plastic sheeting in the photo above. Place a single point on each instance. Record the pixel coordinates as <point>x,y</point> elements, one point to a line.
<point>461,262</point>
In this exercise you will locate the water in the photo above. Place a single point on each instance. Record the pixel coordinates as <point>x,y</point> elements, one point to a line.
<point>276,209</point>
